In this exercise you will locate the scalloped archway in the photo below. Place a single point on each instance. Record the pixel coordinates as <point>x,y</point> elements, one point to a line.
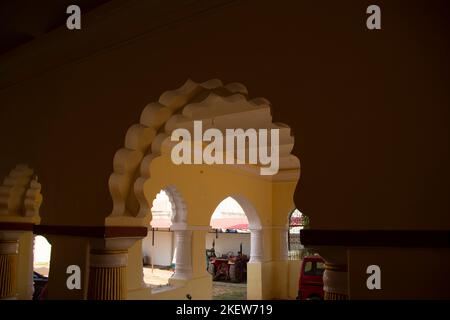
<point>146,152</point>
<point>218,106</point>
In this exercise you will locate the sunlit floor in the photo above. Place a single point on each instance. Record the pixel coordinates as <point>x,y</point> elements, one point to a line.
<point>229,291</point>
<point>159,277</point>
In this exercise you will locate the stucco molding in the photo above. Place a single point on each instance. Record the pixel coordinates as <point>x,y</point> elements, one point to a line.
<point>20,193</point>
<point>179,207</point>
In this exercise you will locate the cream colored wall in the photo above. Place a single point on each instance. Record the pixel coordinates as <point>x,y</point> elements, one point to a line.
<point>282,201</point>
<point>280,279</point>
<point>161,254</point>
<point>198,186</point>
<point>227,242</point>
<point>255,281</point>
<point>135,273</point>
<point>294,275</point>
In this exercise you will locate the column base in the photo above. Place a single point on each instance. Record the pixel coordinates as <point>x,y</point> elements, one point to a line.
<point>107,283</point>
<point>334,296</point>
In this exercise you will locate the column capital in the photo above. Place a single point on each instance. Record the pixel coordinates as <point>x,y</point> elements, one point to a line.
<point>11,235</point>
<point>256,246</point>
<point>8,247</point>
<point>183,260</point>
<point>113,244</point>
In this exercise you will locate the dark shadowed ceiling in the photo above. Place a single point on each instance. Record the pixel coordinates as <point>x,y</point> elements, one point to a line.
<point>23,20</point>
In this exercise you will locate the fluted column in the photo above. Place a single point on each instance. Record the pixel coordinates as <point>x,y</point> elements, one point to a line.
<point>107,275</point>
<point>108,261</point>
<point>9,250</point>
<point>256,246</point>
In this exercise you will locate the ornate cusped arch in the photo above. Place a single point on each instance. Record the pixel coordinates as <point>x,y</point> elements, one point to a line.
<point>178,206</point>
<point>254,220</point>
<point>218,106</point>
<point>20,200</point>
<point>20,193</point>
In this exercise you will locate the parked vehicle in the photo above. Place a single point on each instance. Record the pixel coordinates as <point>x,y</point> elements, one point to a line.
<point>310,285</point>
<point>40,281</point>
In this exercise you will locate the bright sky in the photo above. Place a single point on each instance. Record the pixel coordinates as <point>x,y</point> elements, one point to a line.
<point>228,208</point>
<point>42,250</point>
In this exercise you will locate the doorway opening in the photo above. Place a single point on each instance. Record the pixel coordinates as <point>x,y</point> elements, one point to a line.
<point>158,248</point>
<point>228,251</point>
<point>297,222</point>
<point>41,265</point>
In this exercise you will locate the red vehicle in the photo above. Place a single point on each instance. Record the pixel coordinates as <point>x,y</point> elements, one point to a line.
<point>310,286</point>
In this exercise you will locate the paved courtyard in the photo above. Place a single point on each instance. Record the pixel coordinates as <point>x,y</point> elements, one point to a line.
<point>160,277</point>
<point>157,277</point>
<point>221,290</point>
<point>229,291</point>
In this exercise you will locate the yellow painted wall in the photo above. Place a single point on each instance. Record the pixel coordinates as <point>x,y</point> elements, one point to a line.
<point>78,248</point>
<point>135,267</point>
<point>203,187</point>
<point>294,275</point>
<point>255,281</point>
<point>280,282</point>
<point>282,201</point>
<point>25,267</point>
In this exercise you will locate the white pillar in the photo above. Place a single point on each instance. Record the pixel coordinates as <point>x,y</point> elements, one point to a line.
<point>335,277</point>
<point>283,243</point>
<point>256,246</point>
<point>183,264</point>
